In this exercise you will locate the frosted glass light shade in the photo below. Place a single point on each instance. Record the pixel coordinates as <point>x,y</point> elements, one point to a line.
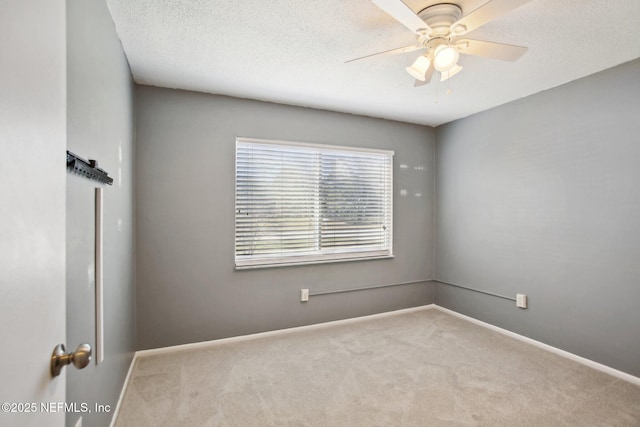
<point>445,58</point>
<point>452,72</point>
<point>419,68</point>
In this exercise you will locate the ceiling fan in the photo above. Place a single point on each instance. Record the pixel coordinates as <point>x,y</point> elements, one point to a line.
<point>440,29</point>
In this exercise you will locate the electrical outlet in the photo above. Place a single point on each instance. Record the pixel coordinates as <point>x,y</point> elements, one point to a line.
<point>304,295</point>
<point>521,300</point>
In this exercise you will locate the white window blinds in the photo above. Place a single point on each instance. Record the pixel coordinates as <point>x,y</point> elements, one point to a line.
<point>304,203</point>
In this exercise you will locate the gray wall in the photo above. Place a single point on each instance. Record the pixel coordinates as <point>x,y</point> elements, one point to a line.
<point>187,289</point>
<point>540,196</point>
<point>99,126</point>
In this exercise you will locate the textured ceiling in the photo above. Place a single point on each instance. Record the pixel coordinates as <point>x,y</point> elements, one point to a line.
<point>293,52</point>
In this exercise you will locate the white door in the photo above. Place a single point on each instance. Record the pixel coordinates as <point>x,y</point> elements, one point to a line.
<point>32,209</point>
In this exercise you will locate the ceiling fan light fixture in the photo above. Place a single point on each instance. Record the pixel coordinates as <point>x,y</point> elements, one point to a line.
<point>452,72</point>
<point>445,58</point>
<point>419,68</point>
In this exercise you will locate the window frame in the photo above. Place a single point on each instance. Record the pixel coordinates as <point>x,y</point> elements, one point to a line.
<point>339,256</point>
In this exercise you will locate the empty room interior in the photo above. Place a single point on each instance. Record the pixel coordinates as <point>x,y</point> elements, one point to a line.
<point>321,213</point>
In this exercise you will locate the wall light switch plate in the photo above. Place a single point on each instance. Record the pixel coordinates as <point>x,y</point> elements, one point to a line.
<point>304,295</point>
<point>521,300</point>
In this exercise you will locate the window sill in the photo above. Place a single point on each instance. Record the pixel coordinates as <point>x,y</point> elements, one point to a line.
<point>303,263</point>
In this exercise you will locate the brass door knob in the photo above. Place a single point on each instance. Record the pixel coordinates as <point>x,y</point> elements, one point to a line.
<point>60,358</point>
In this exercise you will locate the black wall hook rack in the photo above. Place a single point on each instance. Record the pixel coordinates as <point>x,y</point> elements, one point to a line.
<point>87,169</point>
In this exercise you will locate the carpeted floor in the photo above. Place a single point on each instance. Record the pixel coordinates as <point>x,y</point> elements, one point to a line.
<point>424,368</point>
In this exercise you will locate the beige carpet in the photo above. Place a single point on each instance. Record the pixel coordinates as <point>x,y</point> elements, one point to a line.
<point>425,368</point>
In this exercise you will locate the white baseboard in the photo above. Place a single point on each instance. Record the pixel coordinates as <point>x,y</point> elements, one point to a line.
<point>205,344</point>
<point>114,416</point>
<point>574,357</point>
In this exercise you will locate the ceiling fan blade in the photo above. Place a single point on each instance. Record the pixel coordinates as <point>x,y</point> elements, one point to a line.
<point>504,52</point>
<point>427,78</point>
<point>389,52</point>
<point>404,15</point>
<point>485,13</point>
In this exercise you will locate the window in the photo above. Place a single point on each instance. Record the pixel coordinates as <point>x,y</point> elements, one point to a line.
<point>305,203</point>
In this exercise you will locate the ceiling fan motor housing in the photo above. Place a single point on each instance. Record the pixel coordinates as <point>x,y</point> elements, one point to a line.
<point>440,17</point>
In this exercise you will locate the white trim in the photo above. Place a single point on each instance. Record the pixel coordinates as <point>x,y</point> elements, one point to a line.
<point>327,147</point>
<point>391,230</point>
<point>99,273</point>
<point>241,338</point>
<point>251,264</point>
<point>114,417</point>
<point>574,357</point>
